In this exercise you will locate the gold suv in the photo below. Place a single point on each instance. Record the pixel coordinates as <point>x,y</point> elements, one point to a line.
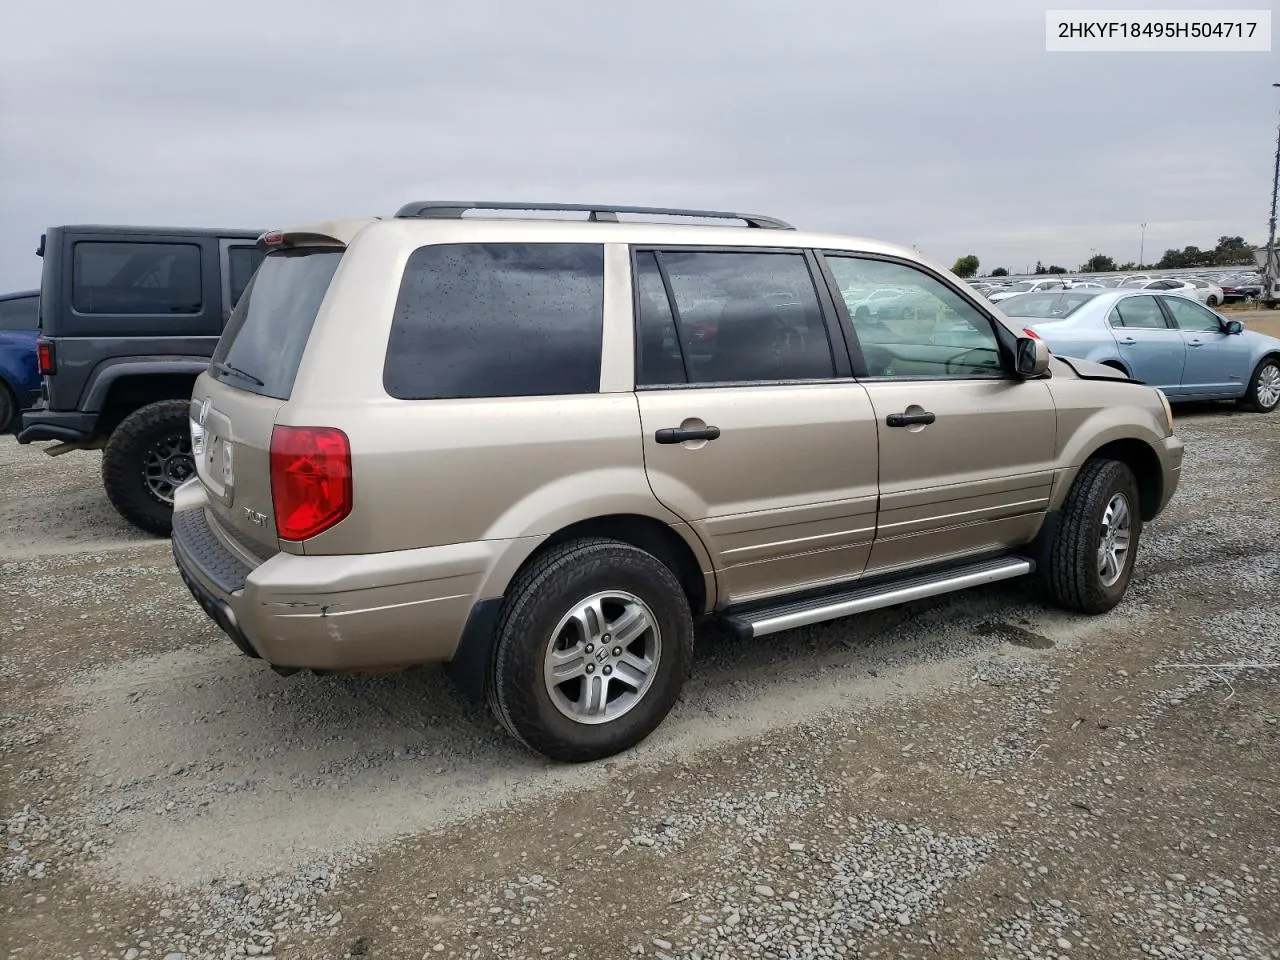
<point>538,449</point>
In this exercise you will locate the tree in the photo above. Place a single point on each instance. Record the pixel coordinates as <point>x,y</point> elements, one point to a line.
<point>1231,251</point>
<point>1040,268</point>
<point>966,266</point>
<point>1054,268</point>
<point>999,272</point>
<point>1129,267</point>
<point>1098,263</point>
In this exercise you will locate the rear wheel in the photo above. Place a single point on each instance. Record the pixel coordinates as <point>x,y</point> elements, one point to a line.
<point>8,408</point>
<point>592,647</point>
<point>1212,301</point>
<point>147,458</point>
<point>1263,393</point>
<point>1091,558</point>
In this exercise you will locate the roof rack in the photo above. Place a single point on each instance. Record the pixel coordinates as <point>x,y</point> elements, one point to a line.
<point>602,212</point>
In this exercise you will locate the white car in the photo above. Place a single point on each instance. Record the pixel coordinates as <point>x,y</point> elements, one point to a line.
<point>1208,293</point>
<point>1026,286</point>
<point>1179,288</point>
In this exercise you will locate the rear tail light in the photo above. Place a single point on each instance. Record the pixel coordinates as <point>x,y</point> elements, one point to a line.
<point>310,480</point>
<point>45,358</point>
<point>1031,333</point>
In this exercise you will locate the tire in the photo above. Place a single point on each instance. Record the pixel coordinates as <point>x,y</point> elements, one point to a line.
<point>531,707</point>
<point>1212,300</point>
<point>134,483</point>
<point>8,408</point>
<point>1263,394</point>
<point>1072,577</point>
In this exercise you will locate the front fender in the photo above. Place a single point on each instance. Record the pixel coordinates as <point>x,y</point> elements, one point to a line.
<point>1094,413</point>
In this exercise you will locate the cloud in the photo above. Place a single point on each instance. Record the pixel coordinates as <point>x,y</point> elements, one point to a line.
<point>942,125</point>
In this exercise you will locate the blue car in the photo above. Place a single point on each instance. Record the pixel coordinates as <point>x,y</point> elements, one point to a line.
<point>1167,341</point>
<point>19,373</point>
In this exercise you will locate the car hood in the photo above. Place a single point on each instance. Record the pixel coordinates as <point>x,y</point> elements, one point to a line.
<point>1088,370</point>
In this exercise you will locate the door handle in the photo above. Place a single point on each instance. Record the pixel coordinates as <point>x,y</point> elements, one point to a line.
<point>681,434</point>
<point>908,419</point>
<point>1195,343</point>
<point>1128,341</point>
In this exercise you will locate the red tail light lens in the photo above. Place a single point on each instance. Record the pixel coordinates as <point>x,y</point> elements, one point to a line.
<point>44,357</point>
<point>1031,333</point>
<point>310,480</point>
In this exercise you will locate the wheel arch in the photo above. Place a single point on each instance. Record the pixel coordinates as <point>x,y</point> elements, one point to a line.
<point>1143,461</point>
<point>679,549</point>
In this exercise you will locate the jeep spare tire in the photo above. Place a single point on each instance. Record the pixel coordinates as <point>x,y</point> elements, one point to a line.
<point>147,457</point>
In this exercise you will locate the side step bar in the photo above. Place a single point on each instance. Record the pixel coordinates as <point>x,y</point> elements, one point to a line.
<point>859,599</point>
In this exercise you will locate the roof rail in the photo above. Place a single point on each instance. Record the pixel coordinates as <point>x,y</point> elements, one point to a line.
<point>606,212</point>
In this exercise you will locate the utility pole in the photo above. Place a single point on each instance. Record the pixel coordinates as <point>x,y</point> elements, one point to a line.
<point>1142,247</point>
<point>1270,271</point>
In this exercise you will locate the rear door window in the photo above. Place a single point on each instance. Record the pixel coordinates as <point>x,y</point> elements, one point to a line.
<point>262,346</point>
<point>497,320</point>
<point>1138,313</point>
<point>136,278</point>
<point>20,314</point>
<point>742,317</point>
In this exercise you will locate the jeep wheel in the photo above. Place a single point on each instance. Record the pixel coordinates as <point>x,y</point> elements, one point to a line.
<point>1091,557</point>
<point>592,647</point>
<point>146,459</point>
<point>1263,394</point>
<point>8,408</point>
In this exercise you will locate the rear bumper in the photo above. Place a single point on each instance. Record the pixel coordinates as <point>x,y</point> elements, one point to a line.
<point>68,426</point>
<point>331,612</point>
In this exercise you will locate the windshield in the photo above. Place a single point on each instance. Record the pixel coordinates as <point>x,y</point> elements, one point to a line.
<point>1047,306</point>
<point>1021,287</point>
<point>262,346</point>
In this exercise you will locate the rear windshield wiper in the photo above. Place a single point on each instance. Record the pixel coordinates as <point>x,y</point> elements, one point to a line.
<point>223,367</point>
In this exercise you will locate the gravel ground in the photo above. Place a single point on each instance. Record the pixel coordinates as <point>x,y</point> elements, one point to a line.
<point>976,776</point>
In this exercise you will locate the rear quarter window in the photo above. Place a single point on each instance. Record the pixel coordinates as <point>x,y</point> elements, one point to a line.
<point>135,278</point>
<point>497,320</point>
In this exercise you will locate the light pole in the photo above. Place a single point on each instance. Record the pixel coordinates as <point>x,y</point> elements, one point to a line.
<point>1269,271</point>
<point>1142,247</point>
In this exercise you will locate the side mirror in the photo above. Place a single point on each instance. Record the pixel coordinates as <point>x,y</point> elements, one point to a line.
<point>1234,326</point>
<point>1031,357</point>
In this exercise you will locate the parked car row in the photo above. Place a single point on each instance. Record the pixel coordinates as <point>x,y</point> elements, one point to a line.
<point>1210,289</point>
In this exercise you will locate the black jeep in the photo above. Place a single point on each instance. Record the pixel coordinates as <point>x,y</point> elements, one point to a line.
<point>129,317</point>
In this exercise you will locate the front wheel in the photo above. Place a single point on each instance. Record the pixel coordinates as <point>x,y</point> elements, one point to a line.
<point>1090,560</point>
<point>147,458</point>
<point>592,647</point>
<point>1263,393</point>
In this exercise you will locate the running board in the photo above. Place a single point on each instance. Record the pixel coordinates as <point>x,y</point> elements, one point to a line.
<point>800,613</point>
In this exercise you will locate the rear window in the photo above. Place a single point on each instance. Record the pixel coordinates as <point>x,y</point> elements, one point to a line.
<point>497,320</point>
<point>262,345</point>
<point>1046,306</point>
<point>20,314</point>
<point>136,278</point>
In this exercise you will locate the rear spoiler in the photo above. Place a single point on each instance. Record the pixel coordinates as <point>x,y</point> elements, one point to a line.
<point>280,240</point>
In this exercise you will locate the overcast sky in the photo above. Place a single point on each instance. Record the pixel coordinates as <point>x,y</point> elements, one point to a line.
<point>944,125</point>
